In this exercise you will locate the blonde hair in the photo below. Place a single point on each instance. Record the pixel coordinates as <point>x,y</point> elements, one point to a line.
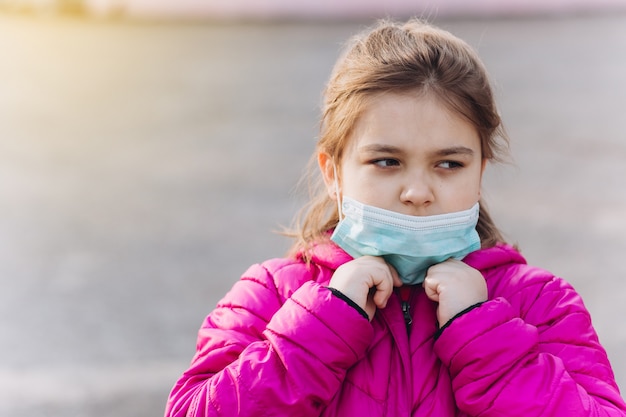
<point>399,57</point>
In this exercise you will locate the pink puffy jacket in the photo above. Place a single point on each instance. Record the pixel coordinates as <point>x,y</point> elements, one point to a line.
<point>281,344</point>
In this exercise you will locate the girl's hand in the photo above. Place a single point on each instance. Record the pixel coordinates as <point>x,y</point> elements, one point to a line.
<point>455,286</point>
<point>368,281</point>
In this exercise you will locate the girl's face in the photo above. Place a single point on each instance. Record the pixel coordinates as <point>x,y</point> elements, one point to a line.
<point>408,153</point>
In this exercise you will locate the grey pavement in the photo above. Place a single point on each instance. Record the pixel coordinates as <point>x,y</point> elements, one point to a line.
<point>144,167</point>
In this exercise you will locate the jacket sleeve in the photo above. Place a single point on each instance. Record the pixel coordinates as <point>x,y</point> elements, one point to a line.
<point>261,354</point>
<point>533,353</point>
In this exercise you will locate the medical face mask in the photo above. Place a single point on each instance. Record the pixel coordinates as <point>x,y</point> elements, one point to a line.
<point>411,244</point>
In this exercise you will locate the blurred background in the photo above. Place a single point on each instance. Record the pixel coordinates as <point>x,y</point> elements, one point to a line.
<point>149,150</point>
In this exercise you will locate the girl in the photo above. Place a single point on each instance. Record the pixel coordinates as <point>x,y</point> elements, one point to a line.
<point>400,296</point>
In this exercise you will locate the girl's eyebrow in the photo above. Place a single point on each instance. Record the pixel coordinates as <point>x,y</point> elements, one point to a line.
<point>454,150</point>
<point>390,149</point>
<point>380,148</point>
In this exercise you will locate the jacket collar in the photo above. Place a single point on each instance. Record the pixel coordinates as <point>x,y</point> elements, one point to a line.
<point>498,255</point>
<point>328,254</point>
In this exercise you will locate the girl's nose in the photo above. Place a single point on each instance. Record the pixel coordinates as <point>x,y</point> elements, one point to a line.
<point>418,193</point>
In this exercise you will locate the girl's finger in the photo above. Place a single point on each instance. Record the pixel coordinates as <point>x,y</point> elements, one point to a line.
<point>431,287</point>
<point>397,282</point>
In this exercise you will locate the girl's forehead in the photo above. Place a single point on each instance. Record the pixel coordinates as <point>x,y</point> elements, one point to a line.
<point>396,116</point>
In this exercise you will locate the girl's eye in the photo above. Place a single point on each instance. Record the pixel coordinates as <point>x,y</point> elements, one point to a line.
<point>450,165</point>
<point>386,162</point>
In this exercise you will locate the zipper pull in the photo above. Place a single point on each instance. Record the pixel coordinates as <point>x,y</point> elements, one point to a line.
<point>406,310</point>
<point>405,294</point>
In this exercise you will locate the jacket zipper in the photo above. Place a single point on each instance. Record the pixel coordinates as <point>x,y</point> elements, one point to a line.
<point>405,294</point>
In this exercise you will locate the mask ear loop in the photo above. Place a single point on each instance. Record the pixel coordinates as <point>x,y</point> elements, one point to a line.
<point>338,195</point>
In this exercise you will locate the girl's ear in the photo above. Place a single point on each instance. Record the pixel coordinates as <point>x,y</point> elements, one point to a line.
<point>329,171</point>
<point>482,171</point>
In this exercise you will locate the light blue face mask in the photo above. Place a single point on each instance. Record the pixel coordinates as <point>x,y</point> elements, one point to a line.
<point>411,244</point>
